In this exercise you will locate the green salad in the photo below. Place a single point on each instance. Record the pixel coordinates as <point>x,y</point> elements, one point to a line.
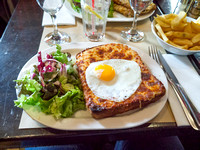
<point>53,85</point>
<point>76,5</point>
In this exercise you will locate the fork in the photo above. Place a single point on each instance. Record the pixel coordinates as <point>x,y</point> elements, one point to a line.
<point>153,52</point>
<point>188,108</point>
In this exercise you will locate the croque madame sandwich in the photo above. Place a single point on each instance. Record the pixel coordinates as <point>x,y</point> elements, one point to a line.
<point>115,80</point>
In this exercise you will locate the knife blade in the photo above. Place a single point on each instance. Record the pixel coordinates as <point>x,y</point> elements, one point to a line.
<point>195,60</point>
<point>188,108</point>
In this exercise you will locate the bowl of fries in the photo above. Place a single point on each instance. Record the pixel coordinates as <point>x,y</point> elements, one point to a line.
<point>177,33</point>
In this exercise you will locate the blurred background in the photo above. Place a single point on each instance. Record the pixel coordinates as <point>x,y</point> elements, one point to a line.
<point>6,9</point>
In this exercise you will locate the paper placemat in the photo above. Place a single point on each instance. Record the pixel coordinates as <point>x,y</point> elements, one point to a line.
<point>112,35</point>
<point>27,122</point>
<point>189,79</point>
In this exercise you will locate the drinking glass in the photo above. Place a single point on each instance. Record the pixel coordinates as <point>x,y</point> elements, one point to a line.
<point>52,7</point>
<point>133,34</point>
<point>94,17</point>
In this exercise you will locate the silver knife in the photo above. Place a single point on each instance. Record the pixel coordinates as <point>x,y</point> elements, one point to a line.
<point>190,111</point>
<point>195,61</point>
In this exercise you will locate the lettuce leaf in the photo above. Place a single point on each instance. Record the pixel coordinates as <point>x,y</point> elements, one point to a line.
<point>76,7</point>
<point>27,85</point>
<point>111,10</point>
<point>59,56</point>
<point>29,91</point>
<point>65,103</point>
<point>68,104</point>
<point>33,99</point>
<point>60,106</point>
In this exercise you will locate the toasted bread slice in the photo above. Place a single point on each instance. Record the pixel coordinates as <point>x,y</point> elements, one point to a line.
<point>149,91</point>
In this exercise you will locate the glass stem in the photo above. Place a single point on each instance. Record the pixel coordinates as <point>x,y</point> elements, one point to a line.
<point>134,25</point>
<point>53,17</point>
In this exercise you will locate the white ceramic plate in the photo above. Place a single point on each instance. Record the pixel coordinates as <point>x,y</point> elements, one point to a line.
<point>117,16</point>
<point>82,120</point>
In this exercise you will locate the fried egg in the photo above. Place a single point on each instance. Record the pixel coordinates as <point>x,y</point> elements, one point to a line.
<point>114,79</point>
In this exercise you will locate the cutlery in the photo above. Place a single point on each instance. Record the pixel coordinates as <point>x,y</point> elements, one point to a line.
<point>195,60</point>
<point>188,108</point>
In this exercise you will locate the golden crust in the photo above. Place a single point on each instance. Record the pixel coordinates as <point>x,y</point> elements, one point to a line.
<point>124,3</point>
<point>128,12</point>
<point>125,9</point>
<point>150,90</point>
<point>150,8</point>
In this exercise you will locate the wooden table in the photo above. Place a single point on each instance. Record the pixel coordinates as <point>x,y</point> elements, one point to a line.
<point>19,43</point>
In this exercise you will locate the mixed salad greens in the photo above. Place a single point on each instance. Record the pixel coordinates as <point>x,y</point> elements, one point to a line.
<point>53,85</point>
<point>76,5</point>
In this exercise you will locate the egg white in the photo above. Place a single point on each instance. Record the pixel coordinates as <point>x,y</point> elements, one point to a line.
<point>126,81</point>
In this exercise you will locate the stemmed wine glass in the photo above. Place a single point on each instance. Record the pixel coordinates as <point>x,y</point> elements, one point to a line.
<point>133,34</point>
<point>52,7</point>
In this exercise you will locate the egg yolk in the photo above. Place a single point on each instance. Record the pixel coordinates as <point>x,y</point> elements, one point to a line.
<point>105,72</point>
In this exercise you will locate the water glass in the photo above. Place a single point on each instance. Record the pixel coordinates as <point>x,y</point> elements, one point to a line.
<point>94,17</point>
<point>52,7</point>
<point>133,34</point>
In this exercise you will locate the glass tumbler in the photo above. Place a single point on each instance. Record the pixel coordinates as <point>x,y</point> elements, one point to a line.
<point>94,18</point>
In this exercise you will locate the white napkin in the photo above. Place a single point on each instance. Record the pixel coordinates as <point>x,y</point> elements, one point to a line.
<point>189,79</point>
<point>27,122</point>
<point>63,18</point>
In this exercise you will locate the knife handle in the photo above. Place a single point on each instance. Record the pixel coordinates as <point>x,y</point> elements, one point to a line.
<point>185,102</point>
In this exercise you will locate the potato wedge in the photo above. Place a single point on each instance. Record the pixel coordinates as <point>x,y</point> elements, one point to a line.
<point>196,44</point>
<point>159,34</point>
<point>184,35</point>
<point>169,33</point>
<point>195,48</point>
<point>188,28</point>
<point>184,20</point>
<point>170,16</point>
<point>182,47</point>
<point>163,19</point>
<point>161,23</point>
<point>195,26</point>
<point>180,27</point>
<point>196,38</point>
<point>177,20</point>
<point>182,42</point>
<point>158,27</point>
<point>166,29</point>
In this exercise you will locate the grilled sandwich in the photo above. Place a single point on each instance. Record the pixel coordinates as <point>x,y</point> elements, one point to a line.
<point>149,90</point>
